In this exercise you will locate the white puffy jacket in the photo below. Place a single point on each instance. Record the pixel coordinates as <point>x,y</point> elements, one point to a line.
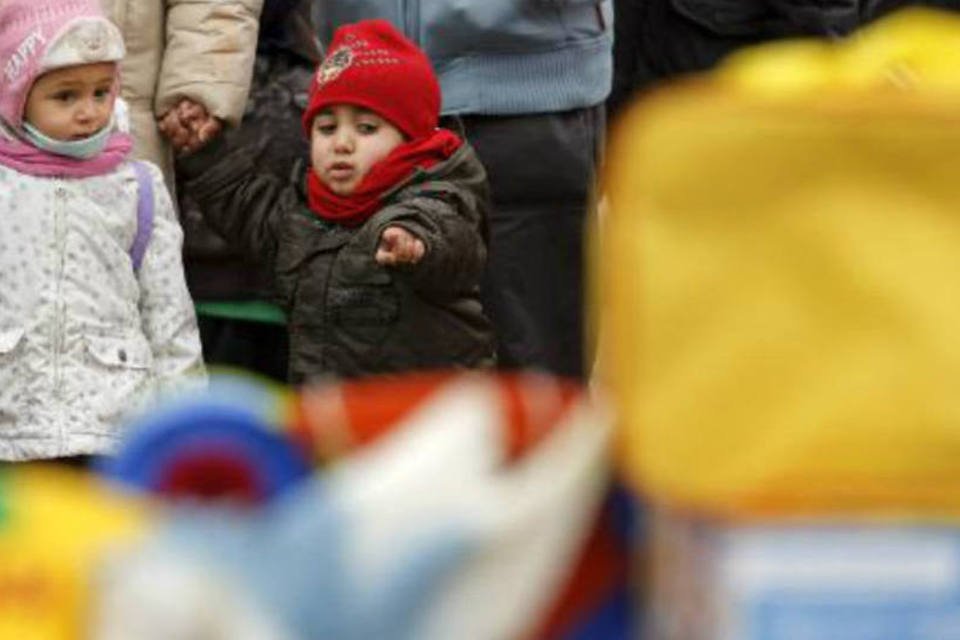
<point>84,338</point>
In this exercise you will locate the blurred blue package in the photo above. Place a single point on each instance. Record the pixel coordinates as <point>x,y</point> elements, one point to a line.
<point>805,580</point>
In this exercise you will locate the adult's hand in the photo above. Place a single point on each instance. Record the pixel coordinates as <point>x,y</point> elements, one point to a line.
<point>189,126</point>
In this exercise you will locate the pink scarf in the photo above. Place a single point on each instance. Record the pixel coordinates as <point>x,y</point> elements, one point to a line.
<point>28,159</point>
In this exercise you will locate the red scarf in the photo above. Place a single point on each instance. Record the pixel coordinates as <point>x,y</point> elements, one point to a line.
<point>354,209</point>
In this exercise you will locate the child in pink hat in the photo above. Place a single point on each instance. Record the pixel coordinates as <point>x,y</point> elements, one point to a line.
<point>94,311</point>
<point>378,247</point>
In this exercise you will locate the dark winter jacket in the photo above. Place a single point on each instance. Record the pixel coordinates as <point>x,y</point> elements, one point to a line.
<point>658,39</point>
<point>347,315</point>
<point>271,135</point>
<point>777,18</point>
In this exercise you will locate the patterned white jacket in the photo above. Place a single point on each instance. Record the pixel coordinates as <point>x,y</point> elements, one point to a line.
<point>84,338</point>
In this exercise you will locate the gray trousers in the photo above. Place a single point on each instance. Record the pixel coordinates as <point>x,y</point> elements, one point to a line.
<point>542,170</point>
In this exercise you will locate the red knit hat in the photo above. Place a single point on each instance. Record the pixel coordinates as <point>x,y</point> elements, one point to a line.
<point>372,65</point>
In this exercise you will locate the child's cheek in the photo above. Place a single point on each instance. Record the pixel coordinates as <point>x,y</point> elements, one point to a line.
<point>316,155</point>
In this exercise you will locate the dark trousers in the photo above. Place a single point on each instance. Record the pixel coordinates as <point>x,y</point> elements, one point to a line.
<point>542,169</point>
<point>260,347</point>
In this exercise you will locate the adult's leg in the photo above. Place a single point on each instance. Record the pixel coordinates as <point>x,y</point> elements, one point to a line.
<point>542,170</point>
<point>259,347</point>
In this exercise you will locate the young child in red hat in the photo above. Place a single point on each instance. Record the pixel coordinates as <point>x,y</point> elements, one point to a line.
<point>378,252</point>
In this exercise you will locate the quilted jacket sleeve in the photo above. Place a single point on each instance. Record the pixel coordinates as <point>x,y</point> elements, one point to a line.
<point>166,309</point>
<point>244,205</point>
<point>448,214</point>
<point>210,47</point>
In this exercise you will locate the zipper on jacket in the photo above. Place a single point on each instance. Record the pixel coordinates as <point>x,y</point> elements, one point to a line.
<point>59,233</point>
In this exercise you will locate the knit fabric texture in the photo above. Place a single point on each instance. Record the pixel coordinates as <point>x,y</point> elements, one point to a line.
<point>372,65</point>
<point>37,36</point>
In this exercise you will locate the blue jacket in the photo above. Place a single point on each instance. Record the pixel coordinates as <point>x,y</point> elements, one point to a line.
<point>500,56</point>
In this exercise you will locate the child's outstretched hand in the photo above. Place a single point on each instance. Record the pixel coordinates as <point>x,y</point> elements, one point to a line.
<point>399,246</point>
<point>189,126</point>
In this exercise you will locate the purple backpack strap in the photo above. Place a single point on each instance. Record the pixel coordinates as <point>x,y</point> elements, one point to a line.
<point>144,214</point>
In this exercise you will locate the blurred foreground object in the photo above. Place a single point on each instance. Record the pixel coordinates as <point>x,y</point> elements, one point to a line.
<point>811,580</point>
<point>914,50</point>
<point>780,273</point>
<point>442,505</point>
<point>421,506</point>
<point>227,443</point>
<point>779,276</point>
<point>57,526</point>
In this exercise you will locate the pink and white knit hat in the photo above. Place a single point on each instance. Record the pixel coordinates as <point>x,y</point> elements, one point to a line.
<point>37,36</point>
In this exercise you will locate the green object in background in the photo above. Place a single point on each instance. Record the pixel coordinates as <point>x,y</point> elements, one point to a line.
<point>253,311</point>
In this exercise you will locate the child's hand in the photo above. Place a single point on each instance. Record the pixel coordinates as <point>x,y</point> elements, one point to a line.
<point>189,126</point>
<point>399,246</point>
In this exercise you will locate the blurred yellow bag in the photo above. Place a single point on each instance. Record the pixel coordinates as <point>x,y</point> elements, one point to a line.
<point>55,529</point>
<point>780,278</point>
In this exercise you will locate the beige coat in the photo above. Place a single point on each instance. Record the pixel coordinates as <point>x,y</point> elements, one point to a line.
<point>198,49</point>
